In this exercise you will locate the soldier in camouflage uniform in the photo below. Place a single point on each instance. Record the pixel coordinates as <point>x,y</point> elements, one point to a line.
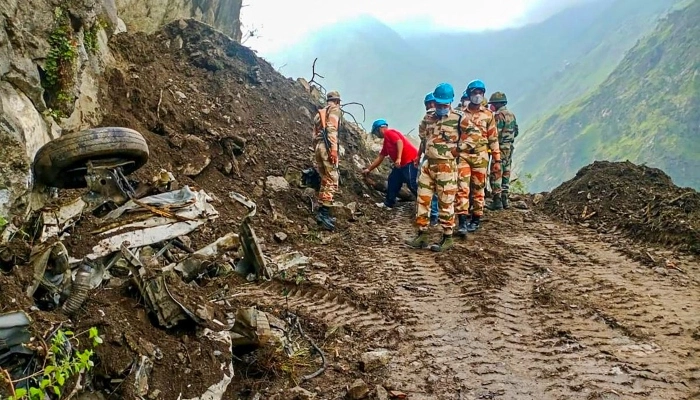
<point>439,133</point>
<point>326,125</point>
<point>474,161</point>
<point>507,127</point>
<point>429,103</point>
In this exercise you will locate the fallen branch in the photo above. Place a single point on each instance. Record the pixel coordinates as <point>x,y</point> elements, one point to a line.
<point>6,375</point>
<point>160,100</point>
<point>76,388</point>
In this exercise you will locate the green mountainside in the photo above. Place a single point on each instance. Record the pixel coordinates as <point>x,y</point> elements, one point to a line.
<point>645,111</point>
<point>539,66</point>
<point>543,65</point>
<point>368,63</point>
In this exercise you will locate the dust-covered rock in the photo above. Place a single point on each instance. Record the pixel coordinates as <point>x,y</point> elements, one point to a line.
<point>375,359</point>
<point>358,390</point>
<point>276,183</point>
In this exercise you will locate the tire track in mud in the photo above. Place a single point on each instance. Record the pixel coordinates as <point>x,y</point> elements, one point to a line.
<point>451,349</point>
<point>316,302</point>
<point>620,310</point>
<point>535,334</point>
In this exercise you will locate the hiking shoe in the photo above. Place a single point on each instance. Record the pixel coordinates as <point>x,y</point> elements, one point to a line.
<point>445,244</point>
<point>504,200</point>
<point>474,224</point>
<point>433,221</point>
<point>325,220</point>
<point>419,242</point>
<point>384,206</point>
<point>496,203</point>
<point>462,225</point>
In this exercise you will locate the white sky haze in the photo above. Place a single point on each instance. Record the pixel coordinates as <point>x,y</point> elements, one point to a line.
<point>282,23</point>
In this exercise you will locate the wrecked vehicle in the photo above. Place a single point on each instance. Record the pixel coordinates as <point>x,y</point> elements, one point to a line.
<point>133,233</point>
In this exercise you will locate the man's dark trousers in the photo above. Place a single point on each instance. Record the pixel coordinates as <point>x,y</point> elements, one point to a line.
<point>407,174</point>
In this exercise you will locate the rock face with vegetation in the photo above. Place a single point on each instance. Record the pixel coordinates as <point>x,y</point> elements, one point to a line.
<point>148,16</point>
<point>645,111</point>
<point>52,55</point>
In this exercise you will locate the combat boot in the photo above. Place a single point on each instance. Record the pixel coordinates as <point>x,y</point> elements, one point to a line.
<point>433,220</point>
<point>474,224</point>
<point>324,219</point>
<point>419,242</point>
<point>496,203</point>
<point>446,243</point>
<point>462,225</point>
<point>504,200</point>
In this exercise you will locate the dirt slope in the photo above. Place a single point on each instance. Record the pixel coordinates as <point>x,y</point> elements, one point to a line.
<point>636,200</point>
<point>530,307</point>
<point>198,98</point>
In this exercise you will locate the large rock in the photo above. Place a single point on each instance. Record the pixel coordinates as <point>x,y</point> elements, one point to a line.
<point>149,15</point>
<point>22,131</point>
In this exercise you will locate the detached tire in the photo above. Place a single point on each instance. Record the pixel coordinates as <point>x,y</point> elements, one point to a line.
<point>61,162</point>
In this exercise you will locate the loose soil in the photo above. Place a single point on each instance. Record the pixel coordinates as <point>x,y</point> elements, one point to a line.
<point>635,200</point>
<point>532,306</point>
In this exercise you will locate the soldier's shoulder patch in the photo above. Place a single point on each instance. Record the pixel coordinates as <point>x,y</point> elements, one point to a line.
<point>458,112</point>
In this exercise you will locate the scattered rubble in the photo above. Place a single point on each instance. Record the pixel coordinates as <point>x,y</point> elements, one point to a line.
<point>635,200</point>
<point>153,254</point>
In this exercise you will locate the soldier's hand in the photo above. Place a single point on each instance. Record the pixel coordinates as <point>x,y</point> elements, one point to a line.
<point>454,152</point>
<point>496,166</point>
<point>333,157</point>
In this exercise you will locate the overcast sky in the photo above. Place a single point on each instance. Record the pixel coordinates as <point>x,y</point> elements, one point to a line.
<point>283,23</point>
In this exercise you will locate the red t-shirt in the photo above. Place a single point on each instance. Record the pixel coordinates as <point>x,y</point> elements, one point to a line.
<point>391,137</point>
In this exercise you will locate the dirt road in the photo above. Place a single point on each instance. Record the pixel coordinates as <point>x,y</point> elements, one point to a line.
<point>558,313</point>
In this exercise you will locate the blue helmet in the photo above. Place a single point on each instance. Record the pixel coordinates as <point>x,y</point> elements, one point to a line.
<point>377,124</point>
<point>444,93</point>
<point>475,84</point>
<point>429,97</point>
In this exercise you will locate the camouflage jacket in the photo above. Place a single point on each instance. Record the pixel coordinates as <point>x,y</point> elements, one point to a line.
<point>507,125</point>
<point>440,136</point>
<point>332,117</point>
<point>486,124</point>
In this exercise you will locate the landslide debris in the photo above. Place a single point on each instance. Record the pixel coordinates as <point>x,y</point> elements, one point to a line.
<point>220,118</point>
<point>224,122</point>
<point>635,200</point>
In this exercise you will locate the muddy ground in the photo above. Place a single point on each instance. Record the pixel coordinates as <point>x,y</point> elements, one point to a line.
<point>532,306</point>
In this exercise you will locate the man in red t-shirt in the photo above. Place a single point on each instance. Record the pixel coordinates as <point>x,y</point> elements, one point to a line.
<point>403,154</point>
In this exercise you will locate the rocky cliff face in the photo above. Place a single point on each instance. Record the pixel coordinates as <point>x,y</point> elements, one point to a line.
<point>52,55</point>
<point>148,16</point>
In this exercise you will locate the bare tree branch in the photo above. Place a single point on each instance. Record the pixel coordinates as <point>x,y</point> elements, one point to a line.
<point>364,113</point>
<point>353,118</point>
<point>314,75</point>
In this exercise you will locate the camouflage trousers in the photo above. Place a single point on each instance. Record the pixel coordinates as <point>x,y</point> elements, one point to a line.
<point>471,171</point>
<point>329,175</point>
<point>502,183</point>
<point>437,177</point>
